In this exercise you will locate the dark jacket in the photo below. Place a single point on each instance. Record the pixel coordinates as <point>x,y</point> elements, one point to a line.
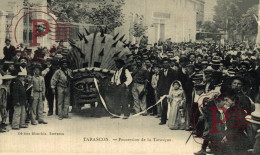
<point>164,82</point>
<point>48,77</point>
<point>9,53</point>
<point>182,77</point>
<point>187,85</point>
<point>19,93</point>
<point>257,144</point>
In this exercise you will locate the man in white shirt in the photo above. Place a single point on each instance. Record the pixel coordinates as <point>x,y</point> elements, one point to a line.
<point>121,80</point>
<point>154,82</point>
<point>23,65</point>
<point>9,51</point>
<point>17,56</point>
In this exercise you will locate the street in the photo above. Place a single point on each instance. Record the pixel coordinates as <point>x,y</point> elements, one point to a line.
<point>92,135</point>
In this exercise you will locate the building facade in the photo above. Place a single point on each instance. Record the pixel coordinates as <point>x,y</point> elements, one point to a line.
<point>175,19</point>
<point>209,9</point>
<point>18,27</point>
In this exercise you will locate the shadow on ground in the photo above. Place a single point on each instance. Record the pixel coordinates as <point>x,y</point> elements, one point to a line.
<point>92,112</point>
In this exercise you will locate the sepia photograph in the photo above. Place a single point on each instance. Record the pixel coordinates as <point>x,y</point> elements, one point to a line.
<point>119,77</point>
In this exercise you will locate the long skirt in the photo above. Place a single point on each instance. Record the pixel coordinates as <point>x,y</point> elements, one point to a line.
<point>175,121</point>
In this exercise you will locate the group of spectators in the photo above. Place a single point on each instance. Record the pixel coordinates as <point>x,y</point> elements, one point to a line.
<point>193,78</point>
<point>180,72</point>
<point>26,81</point>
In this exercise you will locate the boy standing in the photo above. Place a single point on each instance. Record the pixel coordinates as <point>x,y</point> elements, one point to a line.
<point>38,93</point>
<point>19,101</point>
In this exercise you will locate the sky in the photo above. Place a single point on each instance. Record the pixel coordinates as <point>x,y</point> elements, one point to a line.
<point>245,5</point>
<point>4,3</point>
<point>248,3</point>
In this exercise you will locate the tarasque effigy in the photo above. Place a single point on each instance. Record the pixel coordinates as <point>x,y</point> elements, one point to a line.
<point>93,56</point>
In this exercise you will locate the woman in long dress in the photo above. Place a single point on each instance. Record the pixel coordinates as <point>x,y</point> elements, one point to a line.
<point>176,100</point>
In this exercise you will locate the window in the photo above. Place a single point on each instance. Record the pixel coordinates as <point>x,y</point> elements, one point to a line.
<point>161,15</point>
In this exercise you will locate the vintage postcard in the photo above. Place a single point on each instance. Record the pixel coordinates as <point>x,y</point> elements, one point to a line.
<point>177,77</point>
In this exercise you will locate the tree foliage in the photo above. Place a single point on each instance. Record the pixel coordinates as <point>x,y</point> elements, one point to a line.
<point>236,17</point>
<point>228,15</point>
<point>138,29</point>
<point>249,21</point>
<point>68,10</point>
<point>209,26</point>
<point>107,13</point>
<point>104,13</point>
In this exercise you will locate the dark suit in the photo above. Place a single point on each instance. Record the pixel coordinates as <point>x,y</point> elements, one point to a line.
<point>10,107</point>
<point>15,59</point>
<point>163,87</point>
<point>9,53</point>
<point>187,85</point>
<point>257,144</point>
<point>49,95</point>
<point>19,100</point>
<point>150,97</point>
<point>164,82</point>
<point>183,77</point>
<point>18,93</point>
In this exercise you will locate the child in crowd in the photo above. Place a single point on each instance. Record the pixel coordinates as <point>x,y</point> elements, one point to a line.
<point>176,100</point>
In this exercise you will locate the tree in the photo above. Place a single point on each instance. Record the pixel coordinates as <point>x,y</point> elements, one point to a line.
<point>68,10</point>
<point>249,21</point>
<point>228,15</point>
<point>209,26</point>
<point>138,29</point>
<point>107,13</point>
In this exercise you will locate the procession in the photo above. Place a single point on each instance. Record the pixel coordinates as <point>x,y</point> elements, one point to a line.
<point>206,88</point>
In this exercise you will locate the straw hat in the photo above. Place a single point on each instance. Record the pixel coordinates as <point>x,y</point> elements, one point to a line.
<point>22,74</point>
<point>255,116</point>
<point>7,77</point>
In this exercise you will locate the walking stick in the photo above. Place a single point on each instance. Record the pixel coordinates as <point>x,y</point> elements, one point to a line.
<point>191,132</point>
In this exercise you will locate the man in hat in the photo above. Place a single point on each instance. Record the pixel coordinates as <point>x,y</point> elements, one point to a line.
<point>121,79</point>
<point>61,82</point>
<point>251,88</point>
<point>48,72</point>
<point>208,74</point>
<point>38,93</point>
<point>254,118</point>
<point>9,68</point>
<point>22,66</point>
<point>9,51</point>
<point>5,97</point>
<point>166,77</point>
<point>198,90</point>
<point>28,87</point>
<point>192,58</point>
<point>140,79</point>
<point>154,82</point>
<point>188,88</point>
<point>150,97</point>
<point>19,101</point>
<point>17,57</point>
<point>237,85</point>
<point>204,64</point>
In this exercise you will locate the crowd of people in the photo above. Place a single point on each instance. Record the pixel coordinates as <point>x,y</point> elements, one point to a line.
<point>183,72</point>
<point>27,80</point>
<point>195,77</point>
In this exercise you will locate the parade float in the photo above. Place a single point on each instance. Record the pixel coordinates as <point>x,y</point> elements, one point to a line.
<point>93,57</point>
